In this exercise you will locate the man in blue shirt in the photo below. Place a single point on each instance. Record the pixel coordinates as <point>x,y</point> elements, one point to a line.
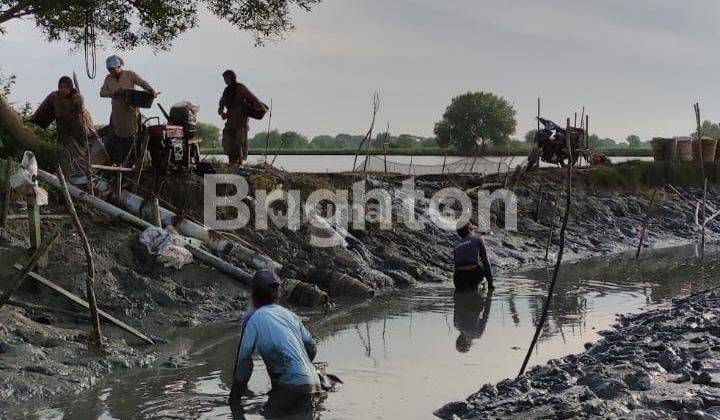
<point>284,344</point>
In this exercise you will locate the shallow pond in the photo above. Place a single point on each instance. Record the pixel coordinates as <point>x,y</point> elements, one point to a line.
<point>406,354</point>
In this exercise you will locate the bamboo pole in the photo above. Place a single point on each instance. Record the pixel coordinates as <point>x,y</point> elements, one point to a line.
<point>96,339</point>
<point>539,203</point>
<point>42,308</point>
<point>267,137</point>
<point>552,225</point>
<point>702,228</point>
<point>644,223</point>
<point>30,265</point>
<point>551,290</point>
<point>6,194</point>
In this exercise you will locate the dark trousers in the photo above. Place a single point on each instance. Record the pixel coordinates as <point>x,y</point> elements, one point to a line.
<point>119,149</point>
<point>468,280</point>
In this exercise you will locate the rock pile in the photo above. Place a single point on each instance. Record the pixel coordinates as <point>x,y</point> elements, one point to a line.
<point>664,363</point>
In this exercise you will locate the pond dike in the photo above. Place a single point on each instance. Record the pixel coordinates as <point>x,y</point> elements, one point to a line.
<point>663,363</point>
<point>44,354</point>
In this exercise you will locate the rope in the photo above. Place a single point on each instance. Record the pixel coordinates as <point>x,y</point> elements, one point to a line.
<point>90,45</point>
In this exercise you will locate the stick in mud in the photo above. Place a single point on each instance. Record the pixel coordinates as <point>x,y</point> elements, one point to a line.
<point>539,203</point>
<point>644,224</point>
<point>30,265</point>
<point>6,193</point>
<point>551,289</point>
<point>90,274</point>
<point>702,231</point>
<point>42,308</point>
<point>552,225</point>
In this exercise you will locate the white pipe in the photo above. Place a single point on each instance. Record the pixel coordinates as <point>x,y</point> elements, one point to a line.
<point>107,208</point>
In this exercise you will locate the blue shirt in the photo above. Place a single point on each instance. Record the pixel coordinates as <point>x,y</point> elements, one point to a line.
<point>282,341</point>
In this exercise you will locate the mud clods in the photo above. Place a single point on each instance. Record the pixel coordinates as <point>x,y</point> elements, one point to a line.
<point>664,363</point>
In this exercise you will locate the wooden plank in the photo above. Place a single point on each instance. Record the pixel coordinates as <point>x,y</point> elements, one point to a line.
<point>42,216</point>
<point>112,168</point>
<point>79,301</point>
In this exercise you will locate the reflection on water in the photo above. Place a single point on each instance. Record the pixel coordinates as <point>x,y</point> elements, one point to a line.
<point>404,355</point>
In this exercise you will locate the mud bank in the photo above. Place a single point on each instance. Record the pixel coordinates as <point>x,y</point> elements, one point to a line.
<point>44,354</point>
<point>663,363</point>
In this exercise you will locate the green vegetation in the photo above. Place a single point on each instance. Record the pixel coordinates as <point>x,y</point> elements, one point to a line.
<point>638,175</point>
<point>156,23</point>
<point>210,133</point>
<point>474,118</point>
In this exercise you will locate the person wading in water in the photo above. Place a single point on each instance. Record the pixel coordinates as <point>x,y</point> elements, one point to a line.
<point>285,346</point>
<point>233,108</point>
<point>124,119</point>
<point>469,253</point>
<point>74,126</point>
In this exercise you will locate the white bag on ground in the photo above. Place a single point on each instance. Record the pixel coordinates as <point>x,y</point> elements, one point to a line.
<point>25,178</point>
<point>168,246</point>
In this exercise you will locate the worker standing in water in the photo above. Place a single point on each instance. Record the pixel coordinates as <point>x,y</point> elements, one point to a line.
<point>286,347</point>
<point>471,260</point>
<point>124,120</point>
<point>233,108</point>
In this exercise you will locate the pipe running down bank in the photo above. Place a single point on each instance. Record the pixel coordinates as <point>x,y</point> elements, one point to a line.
<point>107,208</point>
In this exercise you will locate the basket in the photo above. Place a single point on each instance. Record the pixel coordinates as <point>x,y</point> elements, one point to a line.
<point>709,145</point>
<point>256,112</point>
<point>664,150</point>
<point>139,98</point>
<point>684,150</point>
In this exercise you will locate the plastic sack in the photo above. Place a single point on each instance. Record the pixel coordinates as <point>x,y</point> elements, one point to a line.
<point>25,178</point>
<point>168,247</point>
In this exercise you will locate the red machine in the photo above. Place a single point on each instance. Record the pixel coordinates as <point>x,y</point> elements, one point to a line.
<point>174,147</point>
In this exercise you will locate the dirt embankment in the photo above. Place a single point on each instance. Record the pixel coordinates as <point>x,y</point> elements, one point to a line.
<point>661,364</point>
<point>43,354</point>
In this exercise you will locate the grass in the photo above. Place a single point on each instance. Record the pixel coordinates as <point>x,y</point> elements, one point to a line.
<point>636,175</point>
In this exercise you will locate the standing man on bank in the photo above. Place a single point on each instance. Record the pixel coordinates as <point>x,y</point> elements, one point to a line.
<point>234,104</point>
<point>124,119</point>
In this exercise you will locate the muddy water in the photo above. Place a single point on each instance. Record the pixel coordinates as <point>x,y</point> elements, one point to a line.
<point>406,354</point>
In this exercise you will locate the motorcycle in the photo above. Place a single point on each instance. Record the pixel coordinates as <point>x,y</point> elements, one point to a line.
<point>551,145</point>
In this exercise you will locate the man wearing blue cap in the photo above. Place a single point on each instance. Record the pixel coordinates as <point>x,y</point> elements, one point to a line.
<point>124,117</point>
<point>284,344</point>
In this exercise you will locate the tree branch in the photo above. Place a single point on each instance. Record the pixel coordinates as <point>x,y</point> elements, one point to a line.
<point>14,12</point>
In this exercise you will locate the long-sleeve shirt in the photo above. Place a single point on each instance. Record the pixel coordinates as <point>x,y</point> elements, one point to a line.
<point>235,99</point>
<point>124,117</point>
<point>285,346</point>
<point>466,253</point>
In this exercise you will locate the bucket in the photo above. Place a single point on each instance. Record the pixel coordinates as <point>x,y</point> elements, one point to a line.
<point>139,98</point>
<point>709,145</point>
<point>685,150</point>
<point>664,149</point>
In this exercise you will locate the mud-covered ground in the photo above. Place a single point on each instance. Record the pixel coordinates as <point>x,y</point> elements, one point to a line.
<point>44,354</point>
<point>663,363</point>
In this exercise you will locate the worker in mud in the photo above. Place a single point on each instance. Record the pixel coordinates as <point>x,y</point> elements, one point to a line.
<point>285,346</point>
<point>125,118</point>
<point>471,260</point>
<point>75,130</point>
<point>234,104</point>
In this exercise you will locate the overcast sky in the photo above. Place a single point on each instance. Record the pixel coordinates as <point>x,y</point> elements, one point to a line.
<point>637,66</point>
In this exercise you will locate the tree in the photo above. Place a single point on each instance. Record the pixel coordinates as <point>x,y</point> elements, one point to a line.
<point>6,83</point>
<point>131,23</point>
<point>474,118</point>
<point>325,142</point>
<point>293,140</point>
<point>530,136</point>
<point>258,141</point>
<point>633,140</point>
<point>709,129</point>
<point>405,141</point>
<point>210,133</point>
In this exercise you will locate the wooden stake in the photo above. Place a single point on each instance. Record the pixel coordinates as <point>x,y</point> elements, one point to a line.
<point>30,265</point>
<point>155,209</point>
<point>96,339</point>
<point>552,225</point>
<point>702,217</point>
<point>551,289</point>
<point>42,308</point>
<point>33,211</point>
<point>644,223</point>
<point>539,203</point>
<point>6,194</point>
